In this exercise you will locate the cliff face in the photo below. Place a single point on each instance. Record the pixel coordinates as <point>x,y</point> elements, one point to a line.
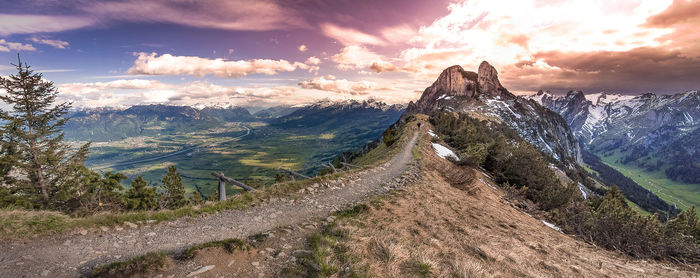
<point>457,90</point>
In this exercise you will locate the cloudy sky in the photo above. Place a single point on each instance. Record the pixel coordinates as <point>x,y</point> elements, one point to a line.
<point>251,52</point>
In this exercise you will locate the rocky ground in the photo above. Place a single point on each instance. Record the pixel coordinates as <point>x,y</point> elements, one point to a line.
<point>76,254</point>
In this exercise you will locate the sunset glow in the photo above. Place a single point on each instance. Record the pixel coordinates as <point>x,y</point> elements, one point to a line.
<point>266,53</point>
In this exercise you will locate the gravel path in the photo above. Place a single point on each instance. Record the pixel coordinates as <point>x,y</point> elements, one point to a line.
<point>75,255</point>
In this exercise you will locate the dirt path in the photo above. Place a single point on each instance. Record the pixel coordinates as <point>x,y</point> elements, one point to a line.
<point>75,255</point>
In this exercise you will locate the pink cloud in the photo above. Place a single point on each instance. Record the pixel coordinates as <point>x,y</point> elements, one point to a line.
<point>359,57</point>
<point>230,15</point>
<point>331,84</point>
<point>349,36</point>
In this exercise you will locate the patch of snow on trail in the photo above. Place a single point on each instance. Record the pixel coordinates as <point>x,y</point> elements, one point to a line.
<point>444,152</point>
<point>430,131</point>
<point>551,226</point>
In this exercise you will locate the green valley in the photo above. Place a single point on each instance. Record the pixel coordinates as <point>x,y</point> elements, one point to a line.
<point>246,148</point>
<point>681,194</point>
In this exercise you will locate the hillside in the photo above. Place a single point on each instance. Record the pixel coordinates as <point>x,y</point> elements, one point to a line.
<point>449,221</point>
<point>646,135</point>
<point>441,226</point>
<point>464,184</point>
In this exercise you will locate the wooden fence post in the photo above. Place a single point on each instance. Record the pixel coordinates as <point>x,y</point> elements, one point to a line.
<point>222,184</point>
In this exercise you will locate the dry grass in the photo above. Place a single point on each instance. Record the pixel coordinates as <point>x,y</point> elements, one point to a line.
<point>463,227</point>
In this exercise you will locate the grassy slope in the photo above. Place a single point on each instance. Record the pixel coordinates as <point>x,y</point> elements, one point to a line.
<point>434,229</point>
<point>681,194</point>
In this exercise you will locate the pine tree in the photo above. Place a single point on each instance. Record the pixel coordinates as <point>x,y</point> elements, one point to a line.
<point>8,157</point>
<point>173,190</point>
<point>35,124</point>
<point>140,196</point>
<point>197,198</point>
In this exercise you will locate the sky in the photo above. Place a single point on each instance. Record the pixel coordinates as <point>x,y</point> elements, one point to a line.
<point>266,53</point>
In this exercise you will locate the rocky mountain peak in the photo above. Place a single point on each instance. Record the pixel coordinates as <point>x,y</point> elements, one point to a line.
<point>457,90</point>
<point>455,81</point>
<point>488,80</point>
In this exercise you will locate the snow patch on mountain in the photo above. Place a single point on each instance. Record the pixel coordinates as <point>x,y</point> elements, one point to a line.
<point>444,152</point>
<point>551,226</point>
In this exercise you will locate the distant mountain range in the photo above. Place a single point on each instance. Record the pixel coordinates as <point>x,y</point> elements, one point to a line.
<point>652,131</point>
<point>109,124</point>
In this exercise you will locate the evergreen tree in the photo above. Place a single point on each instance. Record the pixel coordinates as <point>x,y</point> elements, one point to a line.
<point>173,190</point>
<point>140,196</point>
<point>8,157</point>
<point>279,177</point>
<point>34,124</point>
<point>86,192</point>
<point>197,198</point>
<point>214,196</point>
<point>685,223</point>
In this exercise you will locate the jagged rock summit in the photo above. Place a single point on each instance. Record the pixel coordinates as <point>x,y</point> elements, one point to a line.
<point>457,82</point>
<point>482,94</point>
<point>488,80</point>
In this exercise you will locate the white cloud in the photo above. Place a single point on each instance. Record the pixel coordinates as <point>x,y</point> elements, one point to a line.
<point>121,84</point>
<point>54,43</point>
<point>313,63</point>
<point>398,34</point>
<point>303,48</point>
<point>359,57</point>
<point>349,36</point>
<point>121,93</point>
<point>313,60</point>
<point>167,64</point>
<point>482,30</point>
<point>6,46</point>
<point>330,83</point>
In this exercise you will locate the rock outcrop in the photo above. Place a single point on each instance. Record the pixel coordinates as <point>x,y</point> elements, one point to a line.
<point>488,80</point>
<point>457,90</point>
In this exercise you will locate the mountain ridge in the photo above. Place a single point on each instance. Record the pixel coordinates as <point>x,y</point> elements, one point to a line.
<point>643,128</point>
<point>457,90</point>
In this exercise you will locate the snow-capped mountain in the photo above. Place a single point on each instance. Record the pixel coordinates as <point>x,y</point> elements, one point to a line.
<point>353,104</point>
<point>643,128</point>
<point>482,95</point>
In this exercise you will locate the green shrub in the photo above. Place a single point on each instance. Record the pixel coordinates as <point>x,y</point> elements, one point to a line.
<point>390,136</point>
<point>173,191</point>
<point>140,196</point>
